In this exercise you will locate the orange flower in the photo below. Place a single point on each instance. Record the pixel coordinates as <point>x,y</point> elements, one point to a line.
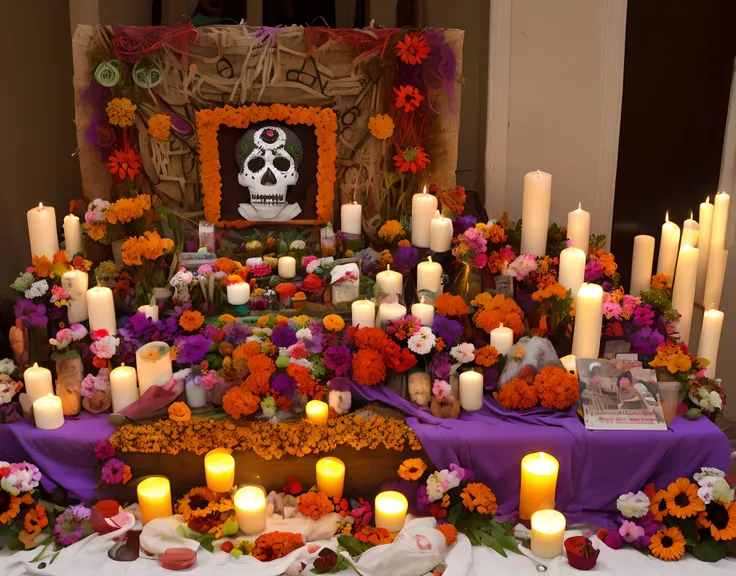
<point>315,505</point>
<point>412,469</point>
<point>368,367</point>
<point>159,126</point>
<point>124,163</point>
<point>556,388</point>
<point>239,402</point>
<point>492,311</point>
<point>517,394</point>
<point>413,158</point>
<point>42,266</point>
<point>407,97</point>
<point>449,532</point>
<point>178,412</point>
<point>486,356</point>
<point>127,474</point>
<point>659,281</point>
<point>96,230</point>
<point>478,497</point>
<point>659,506</point>
<point>246,350</point>
<point>682,499</point>
<point>274,545</point>
<point>413,48</point>
<point>191,320</point>
<point>381,126</point>
<point>451,306</point>
<point>333,323</point>
<point>121,112</point>
<point>495,233</point>
<point>375,536</point>
<point>226,265</point>
<point>554,290</point>
<point>127,209</point>
<point>35,520</point>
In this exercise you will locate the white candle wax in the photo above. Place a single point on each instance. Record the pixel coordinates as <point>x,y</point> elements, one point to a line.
<point>569,363</point>
<point>287,267</point>
<point>706,225</point>
<point>153,365</point>
<point>668,243</point>
<point>250,509</point>
<point>38,382</point>
<point>364,313</point>
<point>586,340</point>
<point>425,312</point>
<point>76,282</point>
<point>690,232</point>
<point>502,339</point>
<point>391,510</point>
<point>721,205</point>
<point>42,231</point>
<point>72,235</point>
<point>351,218</point>
<point>150,310</point>
<point>196,394</point>
<point>390,282</point>
<point>239,293</point>
<point>101,310</point>
<point>578,229</point>
<point>710,339</point>
<point>717,262</point>
<point>572,269</point>
<point>123,387</point>
<point>440,233</point>
<point>389,311</point>
<point>423,208</point>
<point>548,533</point>
<point>641,264</point>
<point>471,391</point>
<point>535,213</point>
<point>429,276</point>
<point>683,291</point>
<point>48,413</point>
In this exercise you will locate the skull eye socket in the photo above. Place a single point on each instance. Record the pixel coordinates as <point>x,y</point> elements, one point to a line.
<point>282,164</point>
<point>256,164</point>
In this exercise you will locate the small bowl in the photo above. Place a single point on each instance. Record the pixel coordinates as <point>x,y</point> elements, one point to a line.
<point>573,546</point>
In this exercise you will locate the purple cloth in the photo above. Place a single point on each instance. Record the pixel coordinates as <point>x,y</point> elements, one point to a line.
<point>596,466</point>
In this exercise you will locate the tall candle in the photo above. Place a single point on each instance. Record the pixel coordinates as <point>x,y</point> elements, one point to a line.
<point>101,310</point>
<point>690,232</point>
<point>390,282</point>
<point>535,213</point>
<point>721,205</point>
<point>330,476</point>
<point>471,391</point>
<point>502,339</point>
<point>572,269</point>
<point>42,231</point>
<point>154,498</point>
<point>351,218</point>
<point>668,243</point>
<point>238,293</point>
<point>538,483</point>
<point>150,310</point>
<point>219,470</point>
<point>38,382</point>
<point>717,261</point>
<point>578,229</point>
<point>706,226</point>
<point>72,235</point>
<point>683,291</point>
<point>363,313</point>
<point>317,412</point>
<point>76,282</point>
<point>391,510</point>
<point>423,208</point>
<point>48,413</point>
<point>250,509</point>
<point>710,339</point>
<point>586,339</point>
<point>429,276</point>
<point>440,233</point>
<point>548,533</point>
<point>388,311</point>
<point>641,264</point>
<point>423,311</point>
<point>287,267</point>
<point>153,365</point>
<point>123,386</point>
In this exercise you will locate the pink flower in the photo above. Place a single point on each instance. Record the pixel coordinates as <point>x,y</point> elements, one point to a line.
<point>204,269</point>
<point>441,389</point>
<point>260,270</point>
<point>611,310</point>
<point>78,331</point>
<point>629,305</point>
<point>113,471</point>
<point>104,450</point>
<point>105,347</point>
<point>630,531</point>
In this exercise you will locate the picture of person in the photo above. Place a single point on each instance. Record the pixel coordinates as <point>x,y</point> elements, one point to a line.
<point>629,397</point>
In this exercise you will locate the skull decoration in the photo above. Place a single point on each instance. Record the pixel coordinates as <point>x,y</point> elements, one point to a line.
<point>268,159</point>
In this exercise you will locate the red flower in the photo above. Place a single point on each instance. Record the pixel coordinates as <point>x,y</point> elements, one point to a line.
<point>414,159</point>
<point>412,49</point>
<point>311,282</point>
<point>293,486</point>
<point>408,98</point>
<point>124,163</point>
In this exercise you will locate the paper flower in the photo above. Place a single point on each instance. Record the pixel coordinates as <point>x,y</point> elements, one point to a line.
<point>463,353</point>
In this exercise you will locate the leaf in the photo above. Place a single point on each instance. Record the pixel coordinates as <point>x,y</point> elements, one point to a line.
<point>230,528</point>
<point>326,560</point>
<point>352,545</point>
<point>205,540</point>
<point>689,531</point>
<point>490,542</point>
<point>453,515</point>
<point>710,551</point>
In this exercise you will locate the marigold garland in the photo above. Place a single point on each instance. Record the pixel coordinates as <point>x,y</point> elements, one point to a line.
<point>274,545</point>
<point>315,505</point>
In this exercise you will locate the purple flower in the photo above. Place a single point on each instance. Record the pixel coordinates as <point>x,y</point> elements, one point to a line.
<point>447,329</point>
<point>490,378</point>
<point>191,349</point>
<point>463,223</point>
<point>593,270</point>
<point>283,336</point>
<point>405,259</point>
<point>422,499</point>
<point>315,345</point>
<point>614,540</point>
<point>440,366</point>
<point>340,384</point>
<point>112,471</point>
<point>464,474</point>
<point>104,450</point>
<point>236,334</point>
<point>30,313</point>
<point>338,359</point>
<point>644,316</point>
<point>72,525</point>
<point>645,341</point>
<point>284,385</point>
<point>630,531</point>
<point>257,305</point>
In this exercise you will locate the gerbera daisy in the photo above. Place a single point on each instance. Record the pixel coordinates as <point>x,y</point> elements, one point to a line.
<point>682,499</point>
<point>659,506</point>
<point>407,97</point>
<point>412,49</point>
<point>412,469</point>
<point>413,158</point>
<point>720,517</point>
<point>668,544</point>
<point>124,163</point>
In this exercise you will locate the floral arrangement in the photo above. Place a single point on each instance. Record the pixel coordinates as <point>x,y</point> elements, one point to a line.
<point>552,387</point>
<point>9,388</point>
<point>144,257</point>
<point>209,514</point>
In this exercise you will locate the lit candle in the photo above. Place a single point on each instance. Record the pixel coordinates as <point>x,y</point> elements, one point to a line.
<point>538,483</point>
<point>429,276</point>
<point>317,412</point>
<point>42,231</point>
<point>391,510</point>
<point>250,509</point>
<point>683,292</point>
<point>287,267</point>
<point>668,243</point>
<point>710,339</point>
<point>388,311</point>
<point>219,470</point>
<point>690,232</point>
<point>569,362</point>
<point>123,387</point>
<point>150,310</point>
<point>502,339</point>
<point>154,498</point>
<point>717,261</point>
<point>38,382</point>
<point>76,282</point>
<point>351,218</point>
<point>423,208</point>
<point>239,293</point>
<point>578,228</point>
<point>363,313</point>
<point>48,413</point>
<point>471,391</point>
<point>572,269</point>
<point>586,339</point>
<point>535,213</point>
<point>330,476</point>
<point>153,365</point>
<point>548,533</point>
<point>641,264</point>
<point>390,282</point>
<point>440,233</point>
<point>72,235</point>
<point>425,312</point>
<point>101,309</point>
<point>706,226</point>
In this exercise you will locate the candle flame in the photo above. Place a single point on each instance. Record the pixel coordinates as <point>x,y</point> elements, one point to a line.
<point>580,205</point>
<point>667,216</point>
<point>424,190</point>
<point>35,364</point>
<point>40,205</point>
<point>429,258</point>
<point>691,214</point>
<point>388,267</point>
<point>500,324</point>
<point>707,200</point>
<point>422,299</point>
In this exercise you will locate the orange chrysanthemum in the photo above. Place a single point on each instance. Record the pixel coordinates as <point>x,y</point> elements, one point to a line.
<point>35,520</point>
<point>381,126</point>
<point>413,48</point>
<point>42,266</point>
<point>226,265</point>
<point>239,402</point>
<point>315,505</point>
<point>451,306</point>
<point>492,311</point>
<point>407,97</point>
<point>486,356</point>
<point>449,532</point>
<point>413,158</point>
<point>659,281</point>
<point>124,163</point>
<point>412,469</point>
<point>246,350</point>
<point>556,388</point>
<point>369,368</point>
<point>517,394</point>
<point>477,497</point>
<point>191,320</point>
<point>127,209</point>
<point>179,412</point>
<point>273,545</point>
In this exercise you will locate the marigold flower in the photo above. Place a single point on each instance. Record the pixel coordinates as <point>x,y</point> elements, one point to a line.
<point>369,368</point>
<point>42,266</point>
<point>333,323</point>
<point>191,320</point>
<point>179,412</point>
<point>315,505</point>
<point>451,306</point>
<point>375,536</point>
<point>121,112</point>
<point>517,394</point>
<point>391,230</point>
<point>412,469</point>
<point>449,532</point>
<point>238,402</point>
<point>477,497</point>
<point>273,545</point>
<point>381,126</point>
<point>556,388</point>
<point>486,356</point>
<point>159,126</point>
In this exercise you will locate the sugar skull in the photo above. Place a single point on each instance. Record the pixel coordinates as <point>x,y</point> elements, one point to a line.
<point>268,159</point>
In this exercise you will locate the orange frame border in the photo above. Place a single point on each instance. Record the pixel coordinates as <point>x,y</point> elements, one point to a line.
<point>208,122</point>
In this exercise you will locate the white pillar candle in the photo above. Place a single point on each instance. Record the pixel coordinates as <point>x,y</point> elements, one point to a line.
<point>502,339</point>
<point>710,339</point>
<point>572,269</point>
<point>586,340</point>
<point>391,510</point>
<point>101,310</point>
<point>471,391</point>
<point>364,313</point>
<point>196,394</point>
<point>423,311</point>
<point>42,231</point>
<point>47,412</point>
<point>683,291</point>
<point>72,235</point>
<point>287,267</point>
<point>390,282</point>
<point>668,243</point>
<point>76,282</point>
<point>250,509</point>
<point>123,387</point>
<point>330,476</point>
<point>690,232</point>
<point>423,207</point>
<point>429,276</point>
<point>351,218</point>
<point>548,533</point>
<point>721,205</point>
<point>578,228</point>
<point>440,233</point>
<point>150,310</point>
<point>153,365</point>
<point>535,213</point>
<point>717,262</point>
<point>38,382</point>
<point>706,225</point>
<point>389,311</point>
<point>641,264</point>
<point>239,293</point>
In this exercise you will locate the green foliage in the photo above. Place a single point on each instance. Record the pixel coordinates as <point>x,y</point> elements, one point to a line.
<point>710,550</point>
<point>205,540</point>
<point>483,530</point>
<point>352,545</point>
<point>659,299</point>
<point>597,241</point>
